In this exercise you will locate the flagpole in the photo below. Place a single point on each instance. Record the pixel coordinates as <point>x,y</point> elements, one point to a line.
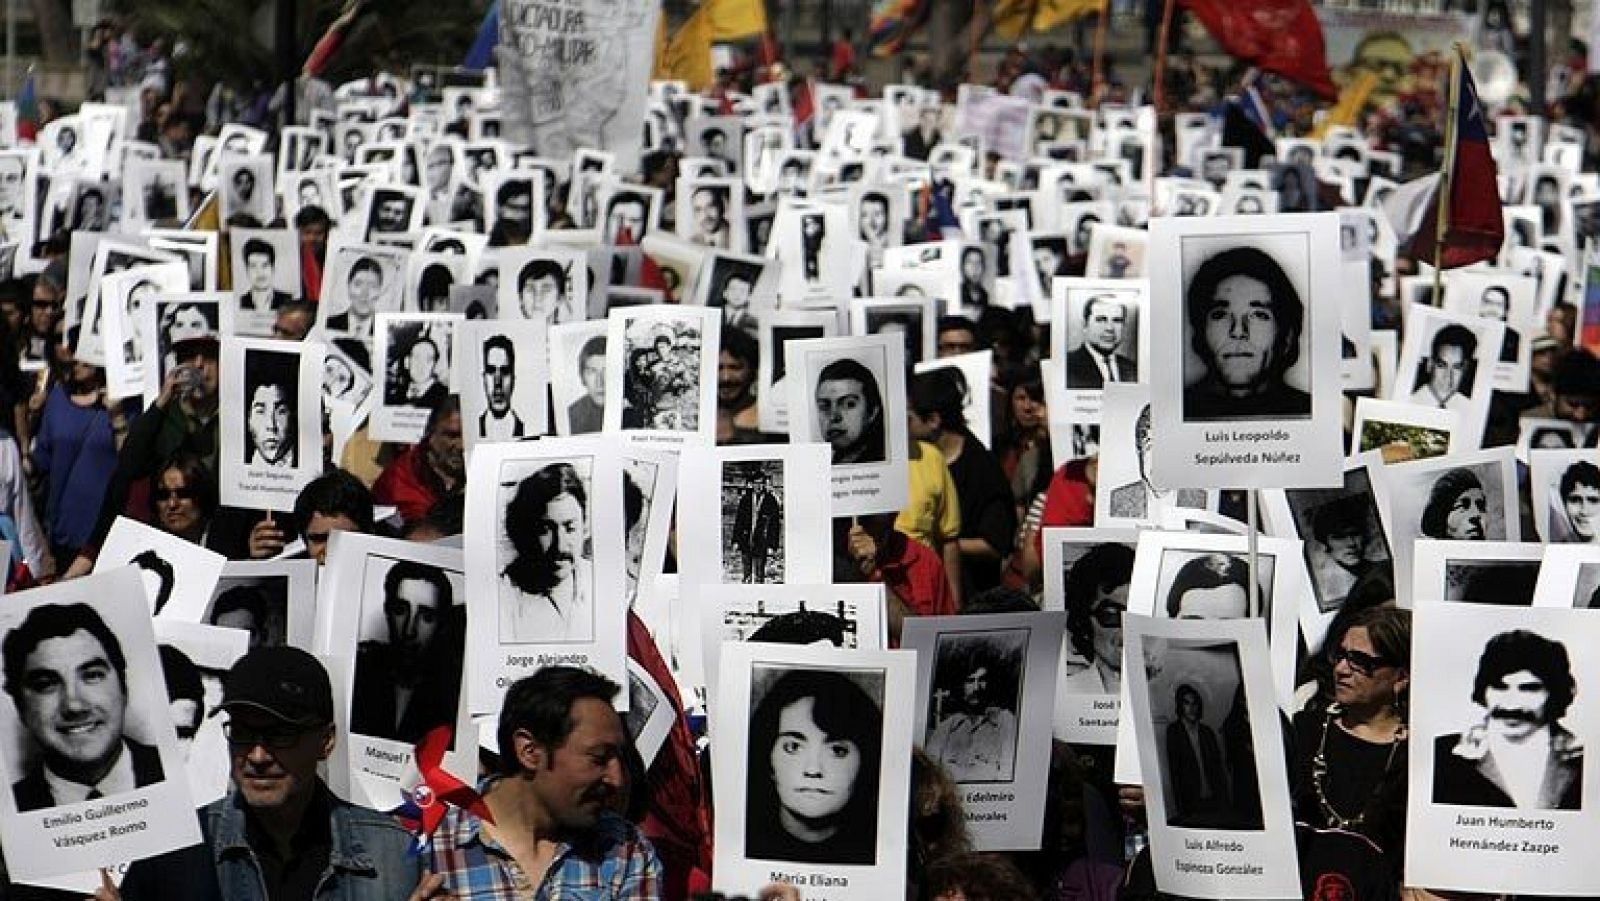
<point>1161,55</point>
<point>1441,225</point>
<point>1098,77</point>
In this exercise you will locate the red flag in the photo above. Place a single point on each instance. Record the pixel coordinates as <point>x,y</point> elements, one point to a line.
<point>1475,228</point>
<point>1278,36</point>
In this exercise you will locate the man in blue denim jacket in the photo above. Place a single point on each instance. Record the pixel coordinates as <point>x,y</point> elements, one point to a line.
<point>280,834</point>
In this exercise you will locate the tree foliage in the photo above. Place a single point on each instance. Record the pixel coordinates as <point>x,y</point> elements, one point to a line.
<point>231,40</point>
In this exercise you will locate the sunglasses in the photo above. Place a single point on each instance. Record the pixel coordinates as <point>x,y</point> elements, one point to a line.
<point>1361,662</point>
<point>175,494</point>
<point>1108,616</point>
<point>278,738</point>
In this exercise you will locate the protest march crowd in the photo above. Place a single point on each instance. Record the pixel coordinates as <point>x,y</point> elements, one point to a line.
<point>790,485</point>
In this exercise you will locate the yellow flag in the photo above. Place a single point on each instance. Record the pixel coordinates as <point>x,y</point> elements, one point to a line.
<point>1013,17</point>
<point>735,19</point>
<point>1351,101</point>
<point>659,70</point>
<point>1051,13</point>
<point>688,55</point>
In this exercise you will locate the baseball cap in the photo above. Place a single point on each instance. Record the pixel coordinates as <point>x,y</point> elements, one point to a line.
<point>285,682</point>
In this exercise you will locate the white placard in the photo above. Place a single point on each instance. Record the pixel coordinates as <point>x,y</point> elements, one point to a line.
<point>853,390</point>
<point>1475,820</point>
<point>47,833</point>
<point>1249,318</point>
<point>985,687</point>
<point>860,795</point>
<point>178,575</point>
<point>271,421</point>
<point>1188,681</point>
<point>754,515</point>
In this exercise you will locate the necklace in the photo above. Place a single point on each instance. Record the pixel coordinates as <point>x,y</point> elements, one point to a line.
<point>1319,774</point>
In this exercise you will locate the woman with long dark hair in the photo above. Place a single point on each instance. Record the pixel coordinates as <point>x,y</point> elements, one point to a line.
<point>815,745</point>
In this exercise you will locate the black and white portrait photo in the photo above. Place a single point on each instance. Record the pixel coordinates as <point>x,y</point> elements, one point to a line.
<point>911,320</point>
<point>849,397</point>
<point>344,379</point>
<point>1566,496</point>
<point>271,399</point>
<point>1445,363</point>
<point>417,365</point>
<point>1099,328</point>
<point>503,395</point>
<point>1346,548</point>
<point>152,191</point>
<point>740,287</point>
<point>1465,496</point>
<point>266,275</point>
<point>246,183</point>
<point>1246,322</point>
<point>1115,252</point>
<point>408,662</point>
<point>709,210</point>
<point>752,514</point>
<point>1500,724</point>
<point>1251,314</point>
<point>66,673</point>
<point>1518,754</point>
<point>812,777</point>
<point>629,215</point>
<point>1208,767</point>
<point>973,707</point>
<point>848,407</point>
<point>578,376</point>
<point>813,770</point>
<point>541,285</point>
<point>1139,498</point>
<point>90,720</point>
<point>1093,579</point>
<point>392,212</point>
<point>546,571</point>
<point>271,425</point>
<point>258,607</point>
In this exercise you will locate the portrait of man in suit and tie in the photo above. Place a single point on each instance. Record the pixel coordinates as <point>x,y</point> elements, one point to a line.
<point>1106,354</point>
<point>68,677</point>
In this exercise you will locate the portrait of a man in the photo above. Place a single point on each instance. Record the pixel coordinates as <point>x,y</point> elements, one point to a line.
<point>732,286</point>
<point>1495,303</point>
<point>364,286</point>
<point>408,682</point>
<point>391,213</point>
<point>1049,261</point>
<point>1245,319</point>
<point>499,422</point>
<point>756,535</point>
<point>547,591</point>
<point>1579,513</point>
<point>1341,530</point>
<point>872,220</point>
<point>587,413</point>
<point>66,674</point>
<point>1095,594</point>
<point>1132,501</point>
<point>1102,357</point>
<point>627,218</point>
<point>271,382</point>
<point>1445,377</point>
<point>709,208</point>
<point>1519,755</point>
<point>850,415</point>
<point>1194,761</point>
<point>544,292</point>
<point>260,261</point>
<point>813,230</point>
<point>972,715</point>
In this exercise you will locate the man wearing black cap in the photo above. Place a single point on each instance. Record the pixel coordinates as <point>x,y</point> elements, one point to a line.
<point>280,833</point>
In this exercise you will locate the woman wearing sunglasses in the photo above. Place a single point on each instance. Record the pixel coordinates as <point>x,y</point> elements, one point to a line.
<point>1351,741</point>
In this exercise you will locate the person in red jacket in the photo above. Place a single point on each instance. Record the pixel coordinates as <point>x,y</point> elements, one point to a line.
<point>433,468</point>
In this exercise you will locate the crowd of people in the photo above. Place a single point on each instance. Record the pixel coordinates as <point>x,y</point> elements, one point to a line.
<point>568,808</point>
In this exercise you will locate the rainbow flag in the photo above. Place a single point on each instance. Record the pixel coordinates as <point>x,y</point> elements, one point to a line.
<point>893,23</point>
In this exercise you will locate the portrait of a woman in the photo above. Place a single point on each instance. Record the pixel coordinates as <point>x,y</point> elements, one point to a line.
<point>815,745</point>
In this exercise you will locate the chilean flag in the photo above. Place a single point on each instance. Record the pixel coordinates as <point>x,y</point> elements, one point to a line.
<point>1475,229</point>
